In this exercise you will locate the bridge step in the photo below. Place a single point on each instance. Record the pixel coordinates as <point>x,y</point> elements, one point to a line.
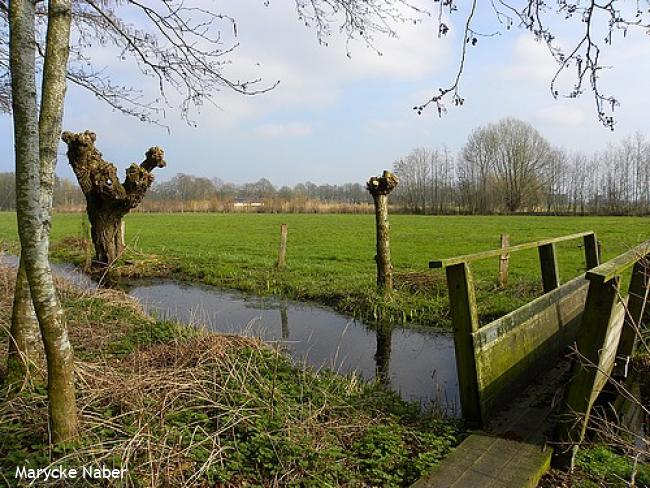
<point>512,452</point>
<point>490,462</point>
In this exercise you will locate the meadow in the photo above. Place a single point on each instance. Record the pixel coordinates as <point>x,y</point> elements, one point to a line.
<point>330,258</point>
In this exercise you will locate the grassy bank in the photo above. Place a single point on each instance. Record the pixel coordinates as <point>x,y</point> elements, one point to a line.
<point>175,408</point>
<point>330,257</point>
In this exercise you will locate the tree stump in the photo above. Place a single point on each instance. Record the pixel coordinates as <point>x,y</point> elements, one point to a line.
<point>108,200</point>
<point>380,187</point>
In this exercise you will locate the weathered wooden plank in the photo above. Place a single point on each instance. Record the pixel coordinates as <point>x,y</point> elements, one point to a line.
<point>579,396</point>
<point>619,264</point>
<point>497,328</point>
<point>464,317</point>
<point>443,263</point>
<point>514,349</point>
<point>608,351</point>
<point>549,267</point>
<point>639,296</point>
<point>500,463</point>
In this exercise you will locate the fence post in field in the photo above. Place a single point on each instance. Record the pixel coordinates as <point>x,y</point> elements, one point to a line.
<point>550,271</point>
<point>380,187</point>
<point>592,250</point>
<point>599,244</point>
<point>504,261</point>
<point>282,253</point>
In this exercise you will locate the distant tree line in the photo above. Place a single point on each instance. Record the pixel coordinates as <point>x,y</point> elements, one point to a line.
<point>504,167</point>
<point>508,167</point>
<point>67,195</point>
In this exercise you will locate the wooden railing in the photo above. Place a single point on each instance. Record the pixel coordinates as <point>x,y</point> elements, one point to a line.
<point>495,362</point>
<point>610,326</point>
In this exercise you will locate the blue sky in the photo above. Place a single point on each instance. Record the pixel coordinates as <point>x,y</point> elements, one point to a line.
<point>334,119</point>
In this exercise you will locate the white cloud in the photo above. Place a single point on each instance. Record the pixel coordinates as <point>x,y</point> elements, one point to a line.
<point>532,62</point>
<point>278,131</point>
<point>561,115</point>
<point>387,126</point>
<point>277,47</point>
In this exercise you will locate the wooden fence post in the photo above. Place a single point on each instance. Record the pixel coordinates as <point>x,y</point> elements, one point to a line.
<point>464,318</point>
<point>504,261</point>
<point>592,251</point>
<point>282,253</point>
<point>548,262</point>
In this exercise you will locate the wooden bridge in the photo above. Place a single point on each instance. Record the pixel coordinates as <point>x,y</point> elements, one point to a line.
<point>514,384</point>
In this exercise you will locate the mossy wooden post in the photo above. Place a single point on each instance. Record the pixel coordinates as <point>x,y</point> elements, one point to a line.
<point>282,253</point>
<point>380,187</point>
<point>550,271</point>
<point>503,261</point>
<point>592,251</point>
<point>464,318</point>
<point>582,389</point>
<point>637,313</point>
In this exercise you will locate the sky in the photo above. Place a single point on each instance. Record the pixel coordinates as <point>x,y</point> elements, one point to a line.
<point>335,119</point>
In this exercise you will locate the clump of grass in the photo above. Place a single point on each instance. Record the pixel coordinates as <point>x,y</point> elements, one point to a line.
<point>599,466</point>
<point>179,408</point>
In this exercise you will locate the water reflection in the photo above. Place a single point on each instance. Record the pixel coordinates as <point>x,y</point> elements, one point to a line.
<point>384,335</point>
<point>419,364</point>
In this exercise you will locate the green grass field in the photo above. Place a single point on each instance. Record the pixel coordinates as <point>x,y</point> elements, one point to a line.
<point>330,257</point>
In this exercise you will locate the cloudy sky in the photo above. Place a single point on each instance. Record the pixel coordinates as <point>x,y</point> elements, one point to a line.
<point>334,119</point>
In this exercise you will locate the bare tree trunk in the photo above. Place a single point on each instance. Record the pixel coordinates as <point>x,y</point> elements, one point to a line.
<point>106,231</point>
<point>380,187</point>
<point>34,187</point>
<point>25,346</point>
<point>108,200</point>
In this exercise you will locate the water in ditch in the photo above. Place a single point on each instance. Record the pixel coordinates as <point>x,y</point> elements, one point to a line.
<point>417,363</point>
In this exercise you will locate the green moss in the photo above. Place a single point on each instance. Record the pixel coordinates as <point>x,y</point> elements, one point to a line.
<point>605,467</point>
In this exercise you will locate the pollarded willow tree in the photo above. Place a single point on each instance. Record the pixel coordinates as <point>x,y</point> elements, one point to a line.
<point>107,199</point>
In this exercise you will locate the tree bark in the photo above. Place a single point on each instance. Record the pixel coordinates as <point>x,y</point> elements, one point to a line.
<point>34,187</point>
<point>25,346</point>
<point>380,187</point>
<point>108,200</point>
